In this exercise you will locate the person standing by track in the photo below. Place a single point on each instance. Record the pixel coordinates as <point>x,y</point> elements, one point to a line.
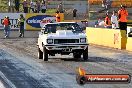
<point>107,21</point>
<point>122,15</point>
<point>6,24</point>
<point>58,16</point>
<point>21,24</point>
<point>114,21</point>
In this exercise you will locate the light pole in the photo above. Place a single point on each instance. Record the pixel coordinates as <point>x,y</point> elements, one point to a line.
<point>9,3</point>
<point>88,9</point>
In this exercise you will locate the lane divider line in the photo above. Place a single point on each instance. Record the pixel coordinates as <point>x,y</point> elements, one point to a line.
<point>7,81</point>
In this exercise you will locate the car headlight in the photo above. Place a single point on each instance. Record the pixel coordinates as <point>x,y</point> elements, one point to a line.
<point>49,41</point>
<point>83,40</point>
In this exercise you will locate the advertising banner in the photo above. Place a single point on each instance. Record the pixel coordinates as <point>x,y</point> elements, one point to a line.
<point>35,21</point>
<point>13,19</point>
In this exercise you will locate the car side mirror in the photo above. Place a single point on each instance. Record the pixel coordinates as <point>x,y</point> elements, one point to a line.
<point>42,31</point>
<point>45,32</point>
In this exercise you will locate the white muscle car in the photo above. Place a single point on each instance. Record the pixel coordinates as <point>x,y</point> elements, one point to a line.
<point>62,38</point>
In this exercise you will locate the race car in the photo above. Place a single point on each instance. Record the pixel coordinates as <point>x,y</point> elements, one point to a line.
<point>62,38</point>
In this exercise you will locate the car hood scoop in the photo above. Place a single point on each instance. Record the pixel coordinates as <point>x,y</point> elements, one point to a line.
<point>64,32</point>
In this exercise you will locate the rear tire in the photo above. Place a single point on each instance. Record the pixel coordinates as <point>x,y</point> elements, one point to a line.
<point>40,53</point>
<point>85,54</point>
<point>45,54</point>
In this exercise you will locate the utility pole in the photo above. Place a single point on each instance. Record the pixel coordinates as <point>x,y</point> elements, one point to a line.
<point>10,5</point>
<point>88,8</point>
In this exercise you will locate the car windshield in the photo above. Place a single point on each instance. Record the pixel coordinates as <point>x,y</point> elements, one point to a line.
<point>52,28</point>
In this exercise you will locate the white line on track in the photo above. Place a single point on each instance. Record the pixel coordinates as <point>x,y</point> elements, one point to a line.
<point>7,81</point>
<point>1,85</point>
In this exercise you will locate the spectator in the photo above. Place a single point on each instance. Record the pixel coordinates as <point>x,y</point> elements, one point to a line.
<point>17,5</point>
<point>114,21</point>
<point>122,15</point>
<point>107,21</point>
<point>60,8</point>
<point>25,6</point>
<point>38,6</point>
<point>21,23</point>
<point>43,7</point>
<point>74,13</point>
<point>6,24</point>
<point>32,6</point>
<point>35,8</point>
<point>57,16</point>
<point>44,1</point>
<point>9,29</point>
<point>97,22</point>
<point>107,4</point>
<point>101,24</point>
<point>103,3</point>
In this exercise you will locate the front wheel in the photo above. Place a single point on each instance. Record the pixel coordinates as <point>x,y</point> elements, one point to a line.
<point>45,54</point>
<point>40,53</point>
<point>85,54</point>
<point>76,55</point>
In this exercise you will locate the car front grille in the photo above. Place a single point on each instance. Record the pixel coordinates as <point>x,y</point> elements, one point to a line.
<point>59,41</point>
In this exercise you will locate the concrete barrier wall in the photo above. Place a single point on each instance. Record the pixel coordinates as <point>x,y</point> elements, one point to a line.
<point>129,40</point>
<point>129,44</point>
<point>107,37</point>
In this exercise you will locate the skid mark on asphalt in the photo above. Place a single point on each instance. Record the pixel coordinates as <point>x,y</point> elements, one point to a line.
<point>115,55</point>
<point>101,59</point>
<point>59,73</point>
<point>112,57</point>
<point>18,76</point>
<point>44,75</point>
